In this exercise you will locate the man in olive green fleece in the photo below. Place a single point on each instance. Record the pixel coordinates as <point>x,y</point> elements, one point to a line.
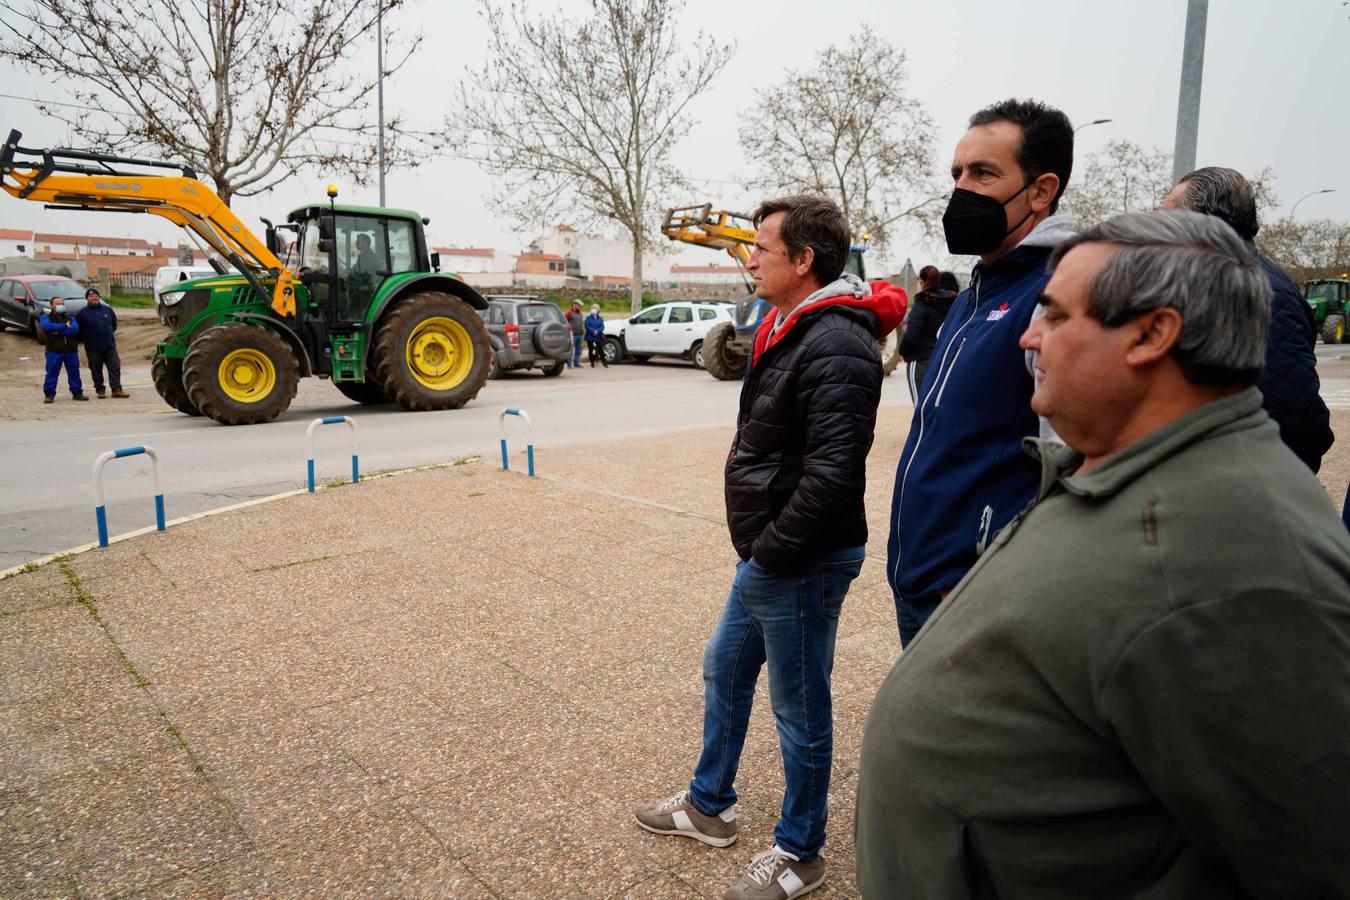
<point>1142,688</point>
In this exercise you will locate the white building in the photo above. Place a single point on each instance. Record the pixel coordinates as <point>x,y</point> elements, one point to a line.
<point>16,242</point>
<point>80,246</point>
<point>602,256</point>
<point>472,259</point>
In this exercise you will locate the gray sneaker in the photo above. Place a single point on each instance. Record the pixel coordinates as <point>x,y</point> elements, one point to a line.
<point>678,816</point>
<point>777,875</point>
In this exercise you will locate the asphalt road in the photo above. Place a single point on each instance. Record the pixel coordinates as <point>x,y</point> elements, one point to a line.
<point>46,486</point>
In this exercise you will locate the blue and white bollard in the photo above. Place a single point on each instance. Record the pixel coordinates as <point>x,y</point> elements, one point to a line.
<point>100,511</point>
<point>529,447</point>
<point>309,440</point>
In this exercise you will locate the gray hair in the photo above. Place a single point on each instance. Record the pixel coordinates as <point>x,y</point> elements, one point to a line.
<point>1216,191</point>
<point>1192,263</point>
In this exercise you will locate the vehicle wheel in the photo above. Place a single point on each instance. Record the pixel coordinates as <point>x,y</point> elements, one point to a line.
<point>168,377</point>
<point>494,367</point>
<point>38,334</point>
<point>722,363</point>
<point>1333,329</point>
<point>432,352</point>
<point>368,392</point>
<point>3,326</point>
<point>890,353</point>
<point>611,350</point>
<point>555,370</point>
<point>240,374</point>
<point>696,354</point>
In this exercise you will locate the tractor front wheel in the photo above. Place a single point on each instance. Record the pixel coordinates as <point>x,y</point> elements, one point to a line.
<point>718,359</point>
<point>240,374</point>
<point>1333,329</point>
<point>168,377</point>
<point>368,392</point>
<point>432,352</point>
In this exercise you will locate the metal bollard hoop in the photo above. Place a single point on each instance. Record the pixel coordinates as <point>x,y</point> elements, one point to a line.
<point>529,428</point>
<point>100,511</point>
<point>309,442</point>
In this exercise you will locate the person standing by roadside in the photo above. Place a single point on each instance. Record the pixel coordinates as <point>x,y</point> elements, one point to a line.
<point>925,318</point>
<point>595,335</point>
<point>1290,387</point>
<point>1140,689</point>
<point>98,325</point>
<point>794,496</point>
<point>577,323</point>
<point>62,335</point>
<point>962,474</point>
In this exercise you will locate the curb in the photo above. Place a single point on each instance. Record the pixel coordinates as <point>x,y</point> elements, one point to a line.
<point>255,501</point>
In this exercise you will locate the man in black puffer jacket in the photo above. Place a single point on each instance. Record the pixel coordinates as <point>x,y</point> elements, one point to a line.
<point>1289,384</point>
<point>794,494</point>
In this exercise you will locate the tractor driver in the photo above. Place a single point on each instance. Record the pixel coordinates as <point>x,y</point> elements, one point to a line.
<point>366,260</point>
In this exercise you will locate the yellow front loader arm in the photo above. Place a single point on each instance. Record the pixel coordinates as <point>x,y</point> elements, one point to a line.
<point>77,179</point>
<point>706,227</point>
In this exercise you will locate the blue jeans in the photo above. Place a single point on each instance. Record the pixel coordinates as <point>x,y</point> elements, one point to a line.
<point>54,363</point>
<point>789,622</point>
<point>912,613</point>
<point>576,351</point>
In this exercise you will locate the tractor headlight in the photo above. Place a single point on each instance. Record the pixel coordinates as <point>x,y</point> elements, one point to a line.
<point>171,298</point>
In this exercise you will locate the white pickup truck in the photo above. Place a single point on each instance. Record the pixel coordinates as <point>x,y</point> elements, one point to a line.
<point>676,328</point>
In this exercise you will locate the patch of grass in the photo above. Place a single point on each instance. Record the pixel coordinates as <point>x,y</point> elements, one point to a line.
<point>477,494</point>
<point>298,562</point>
<point>131,301</point>
<point>85,599</point>
<point>22,570</point>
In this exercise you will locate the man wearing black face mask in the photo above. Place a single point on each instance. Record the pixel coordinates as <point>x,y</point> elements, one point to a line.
<point>963,474</point>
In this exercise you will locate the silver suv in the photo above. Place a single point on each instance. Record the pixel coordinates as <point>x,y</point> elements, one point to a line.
<point>526,333</point>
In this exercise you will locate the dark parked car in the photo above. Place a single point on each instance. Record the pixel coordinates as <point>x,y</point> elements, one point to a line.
<point>526,333</point>
<point>25,298</point>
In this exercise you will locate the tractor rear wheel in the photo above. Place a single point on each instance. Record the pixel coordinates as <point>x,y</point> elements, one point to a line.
<point>368,392</point>
<point>168,377</point>
<point>1333,329</point>
<point>720,362</point>
<point>240,374</point>
<point>432,351</point>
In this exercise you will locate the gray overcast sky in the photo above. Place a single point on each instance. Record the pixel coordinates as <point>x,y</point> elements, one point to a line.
<point>1274,94</point>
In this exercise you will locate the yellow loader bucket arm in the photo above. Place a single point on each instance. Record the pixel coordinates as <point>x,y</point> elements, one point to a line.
<point>707,227</point>
<point>76,179</point>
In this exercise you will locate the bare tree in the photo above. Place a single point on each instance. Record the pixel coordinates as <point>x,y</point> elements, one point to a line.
<point>245,91</point>
<point>847,129</point>
<point>577,118</point>
<point>1124,177</point>
<point>1317,248</point>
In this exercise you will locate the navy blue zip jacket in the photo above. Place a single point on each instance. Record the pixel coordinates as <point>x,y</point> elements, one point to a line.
<point>97,324</point>
<point>963,474</point>
<point>1289,383</point>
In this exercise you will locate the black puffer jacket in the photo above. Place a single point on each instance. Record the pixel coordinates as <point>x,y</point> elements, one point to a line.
<point>926,316</point>
<point>1289,382</point>
<point>796,471</point>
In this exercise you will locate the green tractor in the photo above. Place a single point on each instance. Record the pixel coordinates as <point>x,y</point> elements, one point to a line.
<point>348,293</point>
<point>1328,298</point>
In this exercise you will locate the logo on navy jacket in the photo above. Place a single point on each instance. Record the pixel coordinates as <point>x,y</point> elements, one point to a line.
<point>996,314</point>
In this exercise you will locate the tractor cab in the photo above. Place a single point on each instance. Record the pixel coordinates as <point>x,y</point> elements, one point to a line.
<point>1329,298</point>
<point>343,255</point>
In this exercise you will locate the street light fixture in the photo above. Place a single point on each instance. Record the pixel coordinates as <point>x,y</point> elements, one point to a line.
<point>1306,196</point>
<point>1093,122</point>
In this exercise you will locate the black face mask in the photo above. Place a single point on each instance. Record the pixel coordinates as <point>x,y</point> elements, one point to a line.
<point>976,224</point>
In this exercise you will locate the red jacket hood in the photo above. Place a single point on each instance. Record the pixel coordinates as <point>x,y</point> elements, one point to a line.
<point>886,301</point>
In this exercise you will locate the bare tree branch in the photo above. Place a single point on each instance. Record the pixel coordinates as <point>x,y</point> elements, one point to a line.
<point>247,92</point>
<point>578,117</point>
<point>846,129</point>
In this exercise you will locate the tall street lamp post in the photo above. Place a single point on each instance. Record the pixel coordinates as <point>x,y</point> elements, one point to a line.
<point>1188,102</point>
<point>1093,122</point>
<point>1306,196</point>
<point>379,61</point>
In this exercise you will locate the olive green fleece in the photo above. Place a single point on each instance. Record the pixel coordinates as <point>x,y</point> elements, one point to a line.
<point>1142,689</point>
